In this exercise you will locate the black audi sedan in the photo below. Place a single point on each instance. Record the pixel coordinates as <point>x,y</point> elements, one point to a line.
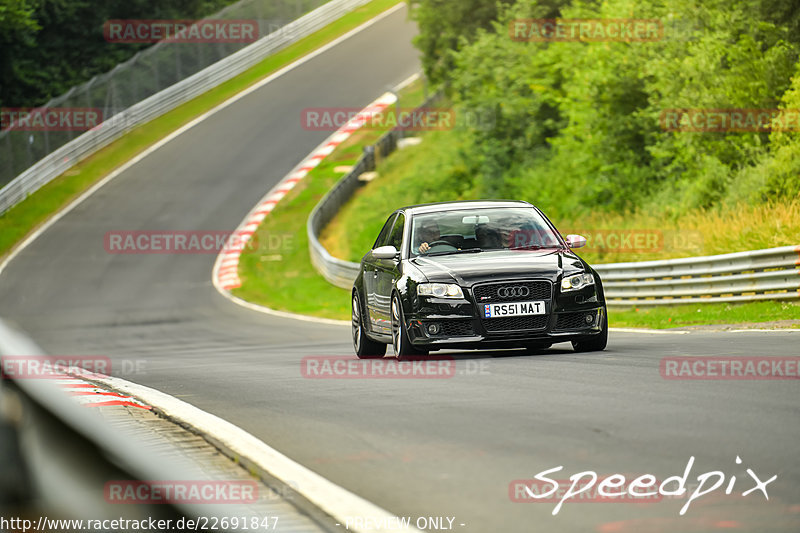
<point>475,274</point>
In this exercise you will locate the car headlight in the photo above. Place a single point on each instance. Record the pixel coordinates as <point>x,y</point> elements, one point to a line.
<point>440,290</point>
<point>579,281</point>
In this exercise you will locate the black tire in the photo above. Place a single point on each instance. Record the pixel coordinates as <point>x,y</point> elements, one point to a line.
<point>401,343</point>
<point>596,343</point>
<point>364,347</point>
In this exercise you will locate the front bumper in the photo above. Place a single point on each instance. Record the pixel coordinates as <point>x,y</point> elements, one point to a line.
<point>459,324</point>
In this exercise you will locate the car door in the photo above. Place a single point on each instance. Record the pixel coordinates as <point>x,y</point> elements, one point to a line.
<point>387,271</point>
<point>371,273</point>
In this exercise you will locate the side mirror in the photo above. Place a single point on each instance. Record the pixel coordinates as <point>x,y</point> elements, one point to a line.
<point>385,252</point>
<point>576,241</point>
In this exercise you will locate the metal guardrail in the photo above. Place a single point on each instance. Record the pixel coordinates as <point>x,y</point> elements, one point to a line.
<point>60,160</point>
<point>63,454</point>
<point>338,271</point>
<point>148,71</point>
<point>771,274</point>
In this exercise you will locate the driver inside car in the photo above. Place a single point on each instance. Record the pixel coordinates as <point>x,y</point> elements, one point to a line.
<point>427,233</point>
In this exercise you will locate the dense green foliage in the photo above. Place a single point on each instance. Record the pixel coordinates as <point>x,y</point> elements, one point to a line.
<point>47,46</point>
<point>444,24</point>
<point>577,124</point>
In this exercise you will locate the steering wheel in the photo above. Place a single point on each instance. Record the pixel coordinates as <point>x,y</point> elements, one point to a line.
<point>441,242</point>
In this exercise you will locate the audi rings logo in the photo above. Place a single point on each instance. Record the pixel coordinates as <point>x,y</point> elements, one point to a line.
<point>520,291</point>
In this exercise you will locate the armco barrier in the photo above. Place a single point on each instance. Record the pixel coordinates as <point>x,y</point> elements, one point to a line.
<point>772,274</point>
<point>337,271</point>
<point>64,454</point>
<point>60,160</point>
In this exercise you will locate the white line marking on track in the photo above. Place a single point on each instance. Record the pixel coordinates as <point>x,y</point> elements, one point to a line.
<point>329,497</point>
<point>649,331</point>
<point>223,282</point>
<point>274,195</point>
<point>777,330</point>
<point>284,314</point>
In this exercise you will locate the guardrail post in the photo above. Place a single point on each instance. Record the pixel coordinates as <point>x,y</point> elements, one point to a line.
<point>369,157</point>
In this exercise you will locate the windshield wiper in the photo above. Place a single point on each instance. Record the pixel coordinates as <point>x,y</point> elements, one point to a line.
<point>450,252</point>
<point>539,247</point>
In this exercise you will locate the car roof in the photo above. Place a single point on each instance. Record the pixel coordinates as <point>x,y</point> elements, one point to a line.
<point>465,204</point>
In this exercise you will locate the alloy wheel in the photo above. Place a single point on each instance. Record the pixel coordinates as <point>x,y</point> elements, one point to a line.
<point>356,320</point>
<point>396,330</point>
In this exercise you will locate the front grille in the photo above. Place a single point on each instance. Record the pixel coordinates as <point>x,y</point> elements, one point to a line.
<point>574,320</point>
<point>536,290</point>
<point>457,328</point>
<point>515,323</point>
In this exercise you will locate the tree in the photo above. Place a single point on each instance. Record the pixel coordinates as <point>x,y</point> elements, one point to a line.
<point>445,25</point>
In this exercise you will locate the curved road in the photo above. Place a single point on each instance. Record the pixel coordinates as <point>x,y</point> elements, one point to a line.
<point>423,447</point>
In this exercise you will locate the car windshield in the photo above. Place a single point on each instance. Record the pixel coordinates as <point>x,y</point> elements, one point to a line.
<point>505,228</point>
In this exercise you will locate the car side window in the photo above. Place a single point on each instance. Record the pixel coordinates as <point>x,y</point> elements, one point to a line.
<point>383,236</point>
<point>396,238</point>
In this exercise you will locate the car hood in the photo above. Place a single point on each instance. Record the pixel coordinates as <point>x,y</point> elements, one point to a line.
<point>470,268</point>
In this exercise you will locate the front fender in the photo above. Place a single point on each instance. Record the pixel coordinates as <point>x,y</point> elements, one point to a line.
<point>406,287</point>
<point>601,295</point>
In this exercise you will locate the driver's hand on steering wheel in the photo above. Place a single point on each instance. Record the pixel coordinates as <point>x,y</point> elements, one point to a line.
<point>424,247</point>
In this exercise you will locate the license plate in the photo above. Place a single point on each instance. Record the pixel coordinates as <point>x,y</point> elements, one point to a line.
<point>513,309</point>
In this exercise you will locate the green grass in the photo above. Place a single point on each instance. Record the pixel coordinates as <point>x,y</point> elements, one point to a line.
<point>410,176</point>
<point>284,278</point>
<point>23,218</point>
<point>431,171</point>
<point>413,175</point>
<point>699,314</point>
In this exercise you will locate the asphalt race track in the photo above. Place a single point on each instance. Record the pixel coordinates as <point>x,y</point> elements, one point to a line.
<point>416,447</point>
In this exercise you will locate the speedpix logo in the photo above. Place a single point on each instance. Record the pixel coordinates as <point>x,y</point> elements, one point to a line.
<point>617,486</point>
